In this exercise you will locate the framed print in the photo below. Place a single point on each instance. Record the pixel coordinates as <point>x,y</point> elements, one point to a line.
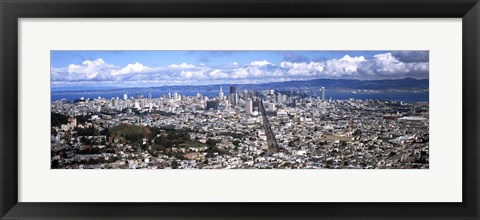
<point>227,109</point>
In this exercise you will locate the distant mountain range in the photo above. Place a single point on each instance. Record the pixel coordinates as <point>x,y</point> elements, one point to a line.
<point>350,84</point>
<point>330,84</point>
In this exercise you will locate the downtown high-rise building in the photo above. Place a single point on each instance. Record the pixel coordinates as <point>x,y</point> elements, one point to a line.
<point>271,106</point>
<point>114,103</point>
<point>245,94</point>
<point>125,96</point>
<point>284,98</point>
<point>233,98</point>
<point>322,90</point>
<point>220,94</point>
<point>249,106</point>
<point>212,104</point>
<point>233,89</point>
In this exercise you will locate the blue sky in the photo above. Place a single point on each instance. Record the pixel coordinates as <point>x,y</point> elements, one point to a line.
<point>165,58</point>
<point>157,68</point>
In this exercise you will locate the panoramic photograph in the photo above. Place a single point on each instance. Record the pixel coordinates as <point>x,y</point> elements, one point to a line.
<point>239,109</point>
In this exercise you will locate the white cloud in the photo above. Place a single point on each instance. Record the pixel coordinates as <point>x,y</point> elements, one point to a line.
<point>418,67</point>
<point>387,66</point>
<point>380,66</point>
<point>198,75</point>
<point>302,69</point>
<point>240,73</point>
<point>260,63</point>
<point>346,66</point>
<point>182,65</point>
<point>132,68</point>
<point>218,74</point>
<point>88,70</point>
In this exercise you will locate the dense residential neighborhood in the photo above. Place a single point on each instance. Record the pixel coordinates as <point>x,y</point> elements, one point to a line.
<point>268,129</point>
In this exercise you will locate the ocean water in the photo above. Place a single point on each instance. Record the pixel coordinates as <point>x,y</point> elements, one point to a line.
<point>406,97</point>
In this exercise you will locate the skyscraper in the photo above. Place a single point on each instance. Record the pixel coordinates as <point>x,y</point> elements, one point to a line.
<point>323,93</point>
<point>233,98</point>
<point>220,94</point>
<point>271,106</point>
<point>233,89</point>
<point>279,98</point>
<point>114,103</point>
<point>284,98</point>
<point>125,96</point>
<point>212,105</point>
<point>249,106</point>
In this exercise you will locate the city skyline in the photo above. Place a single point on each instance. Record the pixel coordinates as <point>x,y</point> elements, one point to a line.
<point>249,129</point>
<point>90,69</point>
<point>240,110</point>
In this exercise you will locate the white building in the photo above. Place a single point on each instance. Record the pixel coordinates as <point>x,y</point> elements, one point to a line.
<point>322,90</point>
<point>220,94</point>
<point>249,106</point>
<point>271,106</point>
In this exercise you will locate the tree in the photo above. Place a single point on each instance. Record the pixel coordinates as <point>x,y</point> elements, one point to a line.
<point>55,164</point>
<point>134,138</point>
<point>236,143</point>
<point>91,131</point>
<point>104,131</point>
<point>211,142</point>
<point>53,132</point>
<point>174,164</point>
<point>58,119</point>
<point>82,119</point>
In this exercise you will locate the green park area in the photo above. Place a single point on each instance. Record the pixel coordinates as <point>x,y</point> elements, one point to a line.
<point>162,138</point>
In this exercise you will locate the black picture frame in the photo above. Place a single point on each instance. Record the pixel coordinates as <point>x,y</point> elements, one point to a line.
<point>12,10</point>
